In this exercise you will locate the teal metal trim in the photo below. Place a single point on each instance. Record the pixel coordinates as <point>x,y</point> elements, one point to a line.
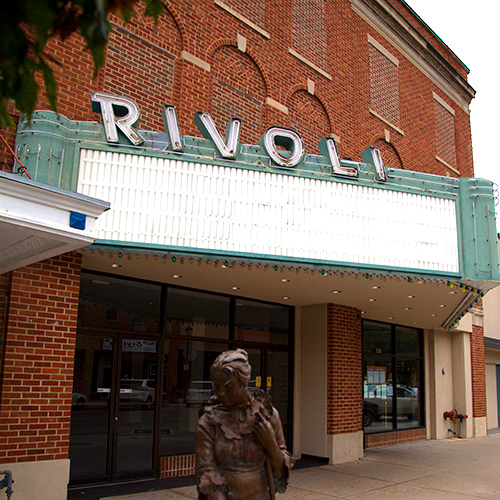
<point>127,246</point>
<point>478,230</point>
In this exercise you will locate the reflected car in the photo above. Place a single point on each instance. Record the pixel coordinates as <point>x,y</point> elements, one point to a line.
<point>199,392</point>
<point>78,401</point>
<point>407,401</point>
<point>138,391</point>
<point>371,412</point>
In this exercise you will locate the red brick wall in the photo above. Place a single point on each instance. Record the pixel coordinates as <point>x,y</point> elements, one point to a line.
<point>150,70</point>
<point>478,372</point>
<point>395,437</point>
<point>35,406</point>
<point>344,370</point>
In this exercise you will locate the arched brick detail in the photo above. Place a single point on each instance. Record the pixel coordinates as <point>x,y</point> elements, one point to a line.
<point>152,54</point>
<point>389,153</point>
<point>310,118</point>
<point>238,90</point>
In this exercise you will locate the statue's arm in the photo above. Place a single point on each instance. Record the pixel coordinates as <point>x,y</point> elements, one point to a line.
<point>211,483</point>
<point>270,435</point>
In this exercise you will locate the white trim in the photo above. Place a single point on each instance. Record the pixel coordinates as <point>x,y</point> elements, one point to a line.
<point>310,86</point>
<point>374,113</point>
<point>242,18</point>
<point>241,42</point>
<point>411,53</point>
<point>275,104</point>
<point>447,165</point>
<point>195,60</point>
<point>310,64</point>
<point>443,103</point>
<point>382,50</point>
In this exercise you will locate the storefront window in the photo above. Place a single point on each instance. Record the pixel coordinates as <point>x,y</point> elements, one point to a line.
<point>118,304</point>
<point>392,367</point>
<point>197,314</point>
<point>263,323</point>
<point>187,386</point>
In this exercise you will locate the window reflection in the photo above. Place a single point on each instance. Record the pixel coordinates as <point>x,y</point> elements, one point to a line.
<point>187,386</point>
<point>257,322</point>
<point>118,304</point>
<point>197,314</point>
<point>392,361</point>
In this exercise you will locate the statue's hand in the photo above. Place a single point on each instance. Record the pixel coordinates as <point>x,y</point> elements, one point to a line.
<point>265,434</point>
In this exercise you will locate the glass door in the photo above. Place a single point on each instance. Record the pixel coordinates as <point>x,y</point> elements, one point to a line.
<point>134,402</point>
<point>89,436</point>
<point>114,396</point>
<point>271,373</point>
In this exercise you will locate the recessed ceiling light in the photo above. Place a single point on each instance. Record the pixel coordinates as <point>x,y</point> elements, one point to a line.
<point>284,280</point>
<point>335,291</point>
<point>286,298</point>
<point>176,276</point>
<point>442,305</point>
<point>372,300</point>
<point>406,308</point>
<point>411,296</point>
<point>391,317</point>
<point>375,287</point>
<point>116,265</point>
<point>434,315</point>
<point>235,288</point>
<point>453,293</point>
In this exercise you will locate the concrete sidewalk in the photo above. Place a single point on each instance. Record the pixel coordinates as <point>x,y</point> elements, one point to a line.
<point>451,469</point>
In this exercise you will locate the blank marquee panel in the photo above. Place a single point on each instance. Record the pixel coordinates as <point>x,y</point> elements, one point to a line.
<point>184,204</point>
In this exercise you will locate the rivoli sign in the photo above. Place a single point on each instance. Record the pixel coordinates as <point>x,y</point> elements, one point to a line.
<point>123,113</point>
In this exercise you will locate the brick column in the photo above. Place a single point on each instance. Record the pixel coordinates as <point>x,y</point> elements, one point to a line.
<point>37,378</point>
<point>478,372</point>
<point>344,370</point>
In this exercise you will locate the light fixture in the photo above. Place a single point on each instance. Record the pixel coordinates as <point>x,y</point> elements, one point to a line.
<point>284,280</point>
<point>235,288</point>
<point>406,308</point>
<point>372,300</point>
<point>116,265</point>
<point>286,298</point>
<point>443,305</point>
<point>376,287</point>
<point>176,276</point>
<point>434,315</point>
<point>335,291</point>
<point>411,296</point>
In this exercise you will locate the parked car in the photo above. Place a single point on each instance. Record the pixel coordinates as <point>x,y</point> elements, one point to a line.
<point>78,401</point>
<point>138,391</point>
<point>199,392</point>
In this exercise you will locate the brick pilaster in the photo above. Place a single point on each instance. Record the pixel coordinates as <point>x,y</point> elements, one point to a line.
<point>344,370</point>
<point>35,405</point>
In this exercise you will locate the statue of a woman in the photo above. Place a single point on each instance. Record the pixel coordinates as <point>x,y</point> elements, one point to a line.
<point>240,449</point>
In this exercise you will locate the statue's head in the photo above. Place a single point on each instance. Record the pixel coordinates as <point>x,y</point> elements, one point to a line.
<point>230,373</point>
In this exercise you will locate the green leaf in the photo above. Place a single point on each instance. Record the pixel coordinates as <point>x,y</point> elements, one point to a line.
<point>5,118</point>
<point>26,93</point>
<point>153,8</point>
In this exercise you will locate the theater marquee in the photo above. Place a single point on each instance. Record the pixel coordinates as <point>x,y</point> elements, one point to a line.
<point>215,195</point>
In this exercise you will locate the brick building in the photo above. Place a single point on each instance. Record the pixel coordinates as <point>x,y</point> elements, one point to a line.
<point>336,233</point>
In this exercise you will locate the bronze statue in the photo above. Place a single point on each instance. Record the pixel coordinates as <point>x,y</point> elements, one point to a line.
<point>240,449</point>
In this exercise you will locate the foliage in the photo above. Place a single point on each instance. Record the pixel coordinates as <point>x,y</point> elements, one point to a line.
<point>27,25</point>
